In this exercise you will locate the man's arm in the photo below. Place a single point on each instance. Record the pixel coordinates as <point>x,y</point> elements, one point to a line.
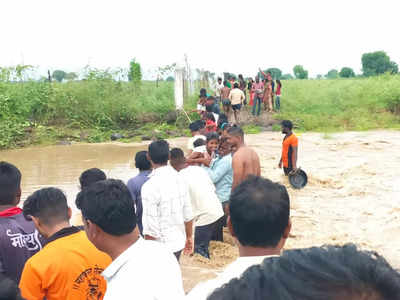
<point>188,219</point>
<point>238,170</point>
<point>151,215</point>
<point>218,173</point>
<point>294,158</point>
<point>31,285</point>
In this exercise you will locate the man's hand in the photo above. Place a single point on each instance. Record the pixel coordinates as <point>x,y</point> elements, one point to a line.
<point>188,246</point>
<point>280,165</point>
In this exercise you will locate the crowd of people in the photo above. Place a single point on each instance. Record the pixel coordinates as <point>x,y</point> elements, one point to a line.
<point>233,95</point>
<point>130,237</point>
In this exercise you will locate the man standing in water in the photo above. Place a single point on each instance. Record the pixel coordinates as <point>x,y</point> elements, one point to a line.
<point>289,149</point>
<point>245,160</point>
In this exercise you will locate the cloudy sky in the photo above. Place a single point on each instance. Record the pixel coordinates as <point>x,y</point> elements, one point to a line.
<point>218,35</point>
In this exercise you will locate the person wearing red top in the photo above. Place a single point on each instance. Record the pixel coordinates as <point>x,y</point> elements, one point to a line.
<point>211,125</point>
<point>289,149</point>
<point>258,90</point>
<point>278,95</point>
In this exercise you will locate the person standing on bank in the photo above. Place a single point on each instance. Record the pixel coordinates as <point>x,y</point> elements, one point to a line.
<point>289,149</point>
<point>236,96</point>
<point>167,209</point>
<point>278,95</point>
<point>218,90</point>
<point>258,91</point>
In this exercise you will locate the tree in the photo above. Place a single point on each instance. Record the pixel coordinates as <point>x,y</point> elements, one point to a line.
<point>332,74</point>
<point>275,73</point>
<point>376,63</point>
<point>71,76</point>
<point>170,78</point>
<point>59,75</point>
<point>319,76</point>
<point>163,71</point>
<point>135,72</point>
<point>299,72</point>
<point>346,72</point>
<point>394,67</point>
<point>286,77</point>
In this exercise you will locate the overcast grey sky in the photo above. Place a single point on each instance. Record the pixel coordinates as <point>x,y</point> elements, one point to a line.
<point>218,35</point>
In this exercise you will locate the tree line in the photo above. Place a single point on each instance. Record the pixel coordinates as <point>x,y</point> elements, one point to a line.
<point>374,63</point>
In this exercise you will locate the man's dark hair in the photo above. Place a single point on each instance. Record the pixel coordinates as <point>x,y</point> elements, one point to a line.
<point>209,108</point>
<point>287,124</point>
<point>236,131</point>
<point>177,154</point>
<point>199,142</point>
<point>210,116</point>
<point>91,176</point>
<point>278,82</point>
<point>236,85</point>
<point>141,161</point>
<point>10,183</point>
<point>211,98</point>
<point>219,78</point>
<point>194,126</point>
<point>328,272</point>
<point>109,205</point>
<point>49,205</point>
<point>159,152</point>
<point>259,210</point>
<point>212,136</point>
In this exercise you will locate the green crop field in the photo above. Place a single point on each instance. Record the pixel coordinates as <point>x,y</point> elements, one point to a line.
<point>34,112</point>
<point>342,104</point>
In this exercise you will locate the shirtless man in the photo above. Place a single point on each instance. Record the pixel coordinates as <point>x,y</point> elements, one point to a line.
<point>226,103</point>
<point>245,160</point>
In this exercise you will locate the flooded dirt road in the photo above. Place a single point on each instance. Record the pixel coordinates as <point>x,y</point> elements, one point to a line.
<point>353,193</point>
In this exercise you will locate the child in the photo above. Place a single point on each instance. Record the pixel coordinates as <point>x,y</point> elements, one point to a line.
<point>211,125</point>
<point>197,130</point>
<point>199,146</point>
<point>201,104</point>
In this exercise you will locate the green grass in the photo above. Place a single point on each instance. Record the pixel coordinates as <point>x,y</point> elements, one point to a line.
<point>91,110</point>
<point>342,104</point>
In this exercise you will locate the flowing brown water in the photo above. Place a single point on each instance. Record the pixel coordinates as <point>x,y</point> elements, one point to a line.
<point>353,193</point>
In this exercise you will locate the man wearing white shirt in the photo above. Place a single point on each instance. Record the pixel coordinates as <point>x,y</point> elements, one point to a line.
<point>140,269</point>
<point>207,209</point>
<point>259,221</point>
<point>167,211</point>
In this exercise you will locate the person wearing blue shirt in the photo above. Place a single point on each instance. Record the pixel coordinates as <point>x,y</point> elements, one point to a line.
<point>221,174</point>
<point>135,184</point>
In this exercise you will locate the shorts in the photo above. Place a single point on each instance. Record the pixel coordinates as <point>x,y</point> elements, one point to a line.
<point>236,106</point>
<point>201,107</point>
<point>287,170</point>
<point>226,102</point>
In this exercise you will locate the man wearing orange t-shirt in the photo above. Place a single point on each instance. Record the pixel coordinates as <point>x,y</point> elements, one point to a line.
<point>69,267</point>
<point>289,149</point>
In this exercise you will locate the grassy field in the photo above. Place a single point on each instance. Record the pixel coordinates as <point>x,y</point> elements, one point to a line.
<point>342,104</point>
<point>91,110</point>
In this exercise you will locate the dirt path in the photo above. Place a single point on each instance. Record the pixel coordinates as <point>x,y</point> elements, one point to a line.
<point>353,195</point>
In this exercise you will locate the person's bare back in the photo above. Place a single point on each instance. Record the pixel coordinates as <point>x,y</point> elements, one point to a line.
<point>245,162</point>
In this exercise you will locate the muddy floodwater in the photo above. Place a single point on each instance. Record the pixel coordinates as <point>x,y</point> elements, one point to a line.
<point>353,194</point>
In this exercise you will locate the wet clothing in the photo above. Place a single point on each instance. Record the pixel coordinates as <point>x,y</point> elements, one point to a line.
<point>19,240</point>
<point>287,150</point>
<point>135,188</point>
<point>69,267</point>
